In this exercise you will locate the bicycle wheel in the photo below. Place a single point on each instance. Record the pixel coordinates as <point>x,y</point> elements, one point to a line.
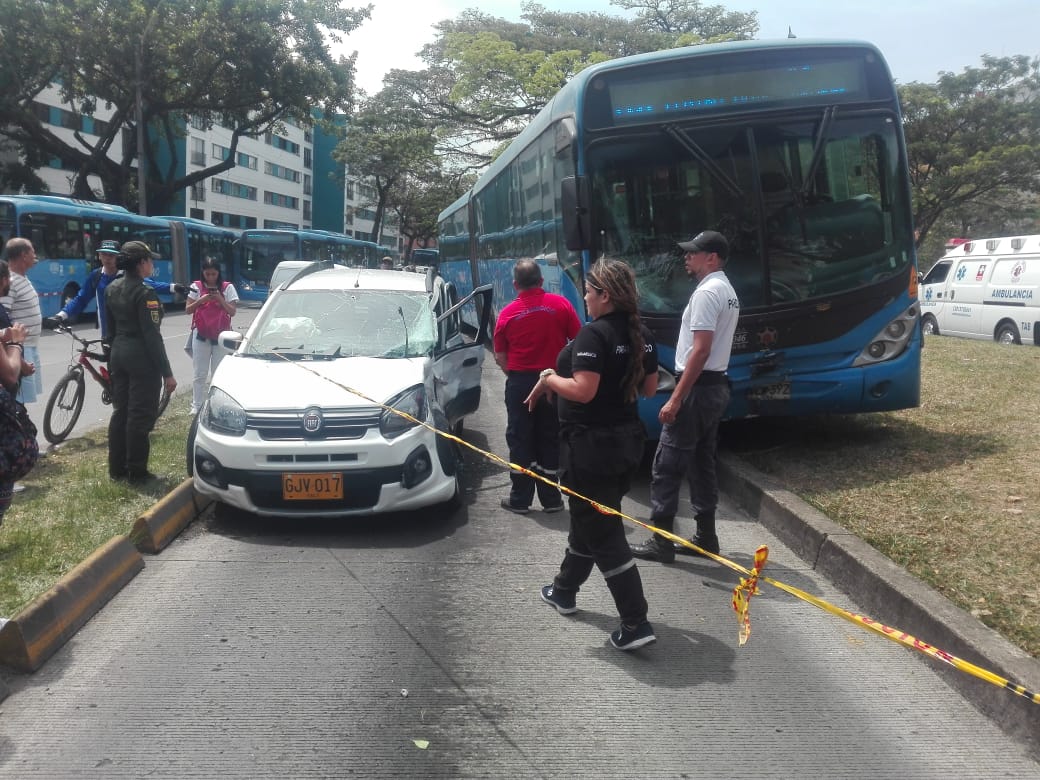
<point>64,406</point>
<point>164,400</point>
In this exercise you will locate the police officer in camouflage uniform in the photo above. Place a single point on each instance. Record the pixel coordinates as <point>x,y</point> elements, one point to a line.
<point>138,364</point>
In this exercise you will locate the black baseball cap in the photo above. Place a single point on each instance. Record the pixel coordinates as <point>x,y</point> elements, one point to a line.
<point>707,241</point>
<point>138,250</point>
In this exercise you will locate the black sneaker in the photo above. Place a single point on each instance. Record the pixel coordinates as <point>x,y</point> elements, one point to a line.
<point>654,549</point>
<point>520,510</point>
<point>553,508</point>
<point>562,602</point>
<point>709,543</point>
<point>629,638</point>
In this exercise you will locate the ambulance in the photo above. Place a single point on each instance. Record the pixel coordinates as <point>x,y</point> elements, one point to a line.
<point>985,289</point>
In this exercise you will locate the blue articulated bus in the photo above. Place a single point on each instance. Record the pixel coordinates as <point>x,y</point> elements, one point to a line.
<point>65,232</point>
<point>193,240</point>
<point>260,251</point>
<point>793,149</point>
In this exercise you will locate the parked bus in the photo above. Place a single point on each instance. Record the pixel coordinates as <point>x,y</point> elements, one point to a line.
<point>192,241</point>
<point>260,251</point>
<point>66,231</point>
<point>793,149</point>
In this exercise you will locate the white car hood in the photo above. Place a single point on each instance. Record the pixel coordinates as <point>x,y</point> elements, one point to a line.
<point>257,383</point>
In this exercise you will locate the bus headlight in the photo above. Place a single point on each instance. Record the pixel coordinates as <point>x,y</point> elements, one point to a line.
<point>892,339</point>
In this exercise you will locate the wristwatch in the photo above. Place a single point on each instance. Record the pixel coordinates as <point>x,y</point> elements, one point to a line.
<point>547,373</point>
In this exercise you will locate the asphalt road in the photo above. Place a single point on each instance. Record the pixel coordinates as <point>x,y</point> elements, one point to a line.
<point>417,646</point>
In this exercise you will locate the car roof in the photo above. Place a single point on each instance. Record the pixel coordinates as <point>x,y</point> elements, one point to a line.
<point>360,278</point>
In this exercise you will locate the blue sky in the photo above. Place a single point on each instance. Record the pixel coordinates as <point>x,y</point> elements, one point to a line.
<point>919,38</point>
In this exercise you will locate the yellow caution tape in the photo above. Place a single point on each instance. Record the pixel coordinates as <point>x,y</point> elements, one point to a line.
<point>748,585</point>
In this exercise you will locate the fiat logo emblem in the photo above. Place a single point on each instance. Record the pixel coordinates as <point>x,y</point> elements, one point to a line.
<point>312,420</point>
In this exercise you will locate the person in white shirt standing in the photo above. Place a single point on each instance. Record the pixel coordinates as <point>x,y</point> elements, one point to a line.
<point>23,306</point>
<point>212,303</point>
<point>690,418</point>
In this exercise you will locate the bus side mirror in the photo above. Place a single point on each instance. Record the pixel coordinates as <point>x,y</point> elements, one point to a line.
<point>574,202</point>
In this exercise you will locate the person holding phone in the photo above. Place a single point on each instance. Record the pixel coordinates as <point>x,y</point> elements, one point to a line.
<point>212,303</point>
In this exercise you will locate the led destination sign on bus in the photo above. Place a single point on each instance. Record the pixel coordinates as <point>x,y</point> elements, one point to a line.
<point>834,81</point>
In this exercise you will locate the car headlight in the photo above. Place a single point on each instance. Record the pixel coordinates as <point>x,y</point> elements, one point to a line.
<point>412,401</point>
<point>223,414</point>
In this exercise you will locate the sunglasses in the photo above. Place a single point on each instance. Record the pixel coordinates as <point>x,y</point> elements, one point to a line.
<point>595,287</point>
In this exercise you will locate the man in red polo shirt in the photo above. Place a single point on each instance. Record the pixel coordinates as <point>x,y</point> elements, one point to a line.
<point>529,334</point>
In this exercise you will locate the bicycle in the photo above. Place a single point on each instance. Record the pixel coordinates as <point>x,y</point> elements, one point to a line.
<point>66,401</point>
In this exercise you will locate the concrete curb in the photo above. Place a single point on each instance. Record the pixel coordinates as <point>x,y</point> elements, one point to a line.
<point>161,524</point>
<point>892,596</point>
<point>41,628</point>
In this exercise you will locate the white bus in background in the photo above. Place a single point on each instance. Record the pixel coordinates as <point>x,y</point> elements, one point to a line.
<point>985,289</point>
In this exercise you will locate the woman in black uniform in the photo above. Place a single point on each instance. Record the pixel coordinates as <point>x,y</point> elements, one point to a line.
<point>598,378</point>
<point>139,364</point>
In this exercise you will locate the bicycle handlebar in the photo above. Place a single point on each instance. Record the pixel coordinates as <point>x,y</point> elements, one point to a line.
<point>87,343</point>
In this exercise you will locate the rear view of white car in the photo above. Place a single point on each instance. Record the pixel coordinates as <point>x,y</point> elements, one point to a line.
<point>302,418</point>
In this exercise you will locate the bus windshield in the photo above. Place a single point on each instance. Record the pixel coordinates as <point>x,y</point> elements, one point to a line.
<point>261,252</point>
<point>815,205</point>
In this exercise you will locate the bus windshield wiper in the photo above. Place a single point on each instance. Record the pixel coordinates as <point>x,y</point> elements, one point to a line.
<point>818,149</point>
<point>683,139</point>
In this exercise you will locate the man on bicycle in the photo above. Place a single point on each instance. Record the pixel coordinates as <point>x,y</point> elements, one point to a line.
<point>94,289</point>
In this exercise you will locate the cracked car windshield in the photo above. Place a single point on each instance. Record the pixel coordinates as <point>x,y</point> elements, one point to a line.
<point>312,324</point>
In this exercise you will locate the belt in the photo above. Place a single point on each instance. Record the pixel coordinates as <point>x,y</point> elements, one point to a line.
<point>707,378</point>
<point>200,337</point>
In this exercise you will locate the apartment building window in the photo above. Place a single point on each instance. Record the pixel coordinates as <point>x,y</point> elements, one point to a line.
<point>281,172</point>
<point>282,143</point>
<point>219,152</point>
<point>233,189</point>
<point>306,210</point>
<point>198,123</point>
<point>350,190</point>
<point>198,191</point>
<point>246,161</point>
<point>71,121</point>
<point>101,127</point>
<point>306,184</point>
<point>233,220</point>
<point>307,157</point>
<point>42,112</point>
<point>198,151</point>
<point>278,199</point>
<point>197,213</point>
<point>348,217</point>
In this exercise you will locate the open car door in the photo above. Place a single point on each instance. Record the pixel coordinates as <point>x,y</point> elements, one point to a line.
<point>459,357</point>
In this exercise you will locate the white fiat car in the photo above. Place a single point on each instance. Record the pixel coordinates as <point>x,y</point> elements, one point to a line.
<point>301,419</point>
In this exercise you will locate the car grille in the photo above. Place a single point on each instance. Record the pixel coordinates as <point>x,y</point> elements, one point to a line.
<point>336,424</point>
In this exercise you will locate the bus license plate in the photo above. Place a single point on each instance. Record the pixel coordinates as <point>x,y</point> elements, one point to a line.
<point>781,391</point>
<point>312,487</point>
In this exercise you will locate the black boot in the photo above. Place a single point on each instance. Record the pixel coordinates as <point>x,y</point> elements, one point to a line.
<point>705,538</point>
<point>656,548</point>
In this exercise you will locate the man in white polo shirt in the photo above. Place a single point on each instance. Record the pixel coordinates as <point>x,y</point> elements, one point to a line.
<point>690,418</point>
<point>23,305</point>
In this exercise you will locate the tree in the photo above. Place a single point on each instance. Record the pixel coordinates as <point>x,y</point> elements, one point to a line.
<point>973,142</point>
<point>383,146</point>
<point>419,201</point>
<point>249,65</point>
<point>486,77</point>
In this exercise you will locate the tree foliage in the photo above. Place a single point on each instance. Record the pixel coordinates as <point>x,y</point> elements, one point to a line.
<point>248,64</point>
<point>973,141</point>
<point>487,77</point>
